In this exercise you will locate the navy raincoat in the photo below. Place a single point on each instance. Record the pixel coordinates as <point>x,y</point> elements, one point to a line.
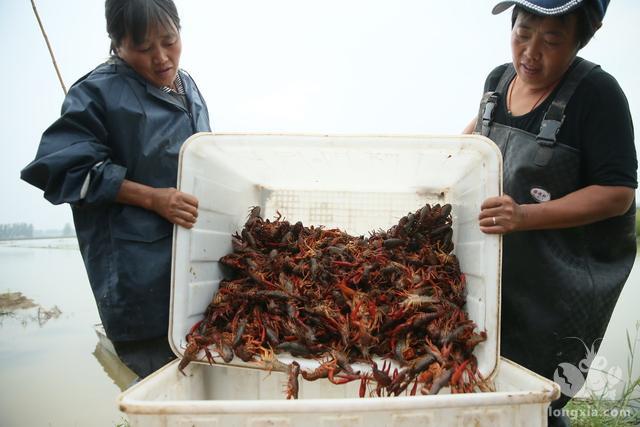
<point>115,125</point>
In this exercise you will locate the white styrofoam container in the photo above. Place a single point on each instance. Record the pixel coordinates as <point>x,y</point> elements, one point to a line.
<point>229,396</point>
<point>356,183</point>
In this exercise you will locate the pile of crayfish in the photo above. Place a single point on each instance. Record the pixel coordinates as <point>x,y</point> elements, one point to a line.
<point>323,294</point>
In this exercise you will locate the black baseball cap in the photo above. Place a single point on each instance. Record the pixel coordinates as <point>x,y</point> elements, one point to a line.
<point>550,7</point>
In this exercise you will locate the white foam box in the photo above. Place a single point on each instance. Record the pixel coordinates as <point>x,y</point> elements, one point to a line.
<point>217,396</point>
<point>357,183</point>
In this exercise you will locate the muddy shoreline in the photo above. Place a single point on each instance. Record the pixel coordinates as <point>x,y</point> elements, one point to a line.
<point>13,301</point>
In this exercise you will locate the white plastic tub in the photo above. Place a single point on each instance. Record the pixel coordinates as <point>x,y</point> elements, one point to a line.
<point>228,396</point>
<point>356,183</point>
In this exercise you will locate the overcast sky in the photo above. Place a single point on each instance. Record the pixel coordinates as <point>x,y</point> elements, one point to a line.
<point>294,66</point>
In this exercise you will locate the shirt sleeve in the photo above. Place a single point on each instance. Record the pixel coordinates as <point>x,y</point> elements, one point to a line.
<point>73,162</point>
<point>607,135</point>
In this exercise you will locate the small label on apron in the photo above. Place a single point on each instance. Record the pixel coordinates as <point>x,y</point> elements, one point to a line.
<point>540,195</point>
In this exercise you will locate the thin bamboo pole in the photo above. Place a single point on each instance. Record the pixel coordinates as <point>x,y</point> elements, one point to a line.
<point>46,39</point>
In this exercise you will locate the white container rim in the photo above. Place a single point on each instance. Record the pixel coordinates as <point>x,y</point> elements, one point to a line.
<point>129,404</point>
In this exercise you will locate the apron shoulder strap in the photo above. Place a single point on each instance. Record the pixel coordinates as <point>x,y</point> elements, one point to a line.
<point>507,76</point>
<point>554,117</point>
<point>490,102</point>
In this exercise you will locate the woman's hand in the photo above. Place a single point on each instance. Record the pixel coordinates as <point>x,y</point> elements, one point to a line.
<point>468,130</point>
<point>499,215</point>
<point>175,206</point>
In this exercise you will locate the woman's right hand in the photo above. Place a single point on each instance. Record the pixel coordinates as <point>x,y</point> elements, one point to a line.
<point>468,130</point>
<point>175,206</point>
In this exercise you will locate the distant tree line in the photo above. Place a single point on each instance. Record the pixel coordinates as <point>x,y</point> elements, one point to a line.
<point>68,230</point>
<point>17,230</point>
<point>23,230</point>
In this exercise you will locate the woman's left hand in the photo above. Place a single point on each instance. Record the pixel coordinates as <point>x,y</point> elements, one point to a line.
<point>499,215</point>
<point>173,205</point>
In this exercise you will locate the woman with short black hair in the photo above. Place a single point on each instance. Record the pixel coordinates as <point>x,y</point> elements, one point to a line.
<point>113,156</point>
<point>567,214</point>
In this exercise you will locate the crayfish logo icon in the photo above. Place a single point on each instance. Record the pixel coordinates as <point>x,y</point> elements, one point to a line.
<point>572,378</point>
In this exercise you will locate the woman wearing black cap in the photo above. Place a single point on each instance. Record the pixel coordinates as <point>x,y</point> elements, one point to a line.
<point>567,214</point>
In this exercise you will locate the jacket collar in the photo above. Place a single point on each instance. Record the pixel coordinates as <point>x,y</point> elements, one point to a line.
<point>121,67</point>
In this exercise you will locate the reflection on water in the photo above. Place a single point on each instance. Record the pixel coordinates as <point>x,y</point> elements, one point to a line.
<point>106,354</point>
<point>45,315</point>
<point>53,371</point>
<point>25,316</point>
<point>121,376</point>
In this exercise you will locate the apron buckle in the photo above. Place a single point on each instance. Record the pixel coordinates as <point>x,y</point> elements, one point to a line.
<point>488,113</point>
<point>489,109</point>
<point>548,132</point>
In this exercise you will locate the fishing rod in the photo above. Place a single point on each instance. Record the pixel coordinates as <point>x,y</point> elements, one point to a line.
<point>46,39</point>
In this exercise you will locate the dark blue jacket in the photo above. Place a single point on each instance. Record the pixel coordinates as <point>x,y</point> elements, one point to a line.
<point>115,125</point>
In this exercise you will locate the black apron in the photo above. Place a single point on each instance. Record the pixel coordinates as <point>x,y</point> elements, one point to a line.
<point>557,285</point>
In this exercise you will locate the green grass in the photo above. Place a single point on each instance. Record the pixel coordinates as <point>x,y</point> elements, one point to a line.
<point>596,411</point>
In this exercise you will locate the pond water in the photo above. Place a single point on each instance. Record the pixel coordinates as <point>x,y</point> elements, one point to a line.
<point>55,373</point>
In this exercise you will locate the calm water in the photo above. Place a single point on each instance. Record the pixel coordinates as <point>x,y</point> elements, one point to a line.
<point>56,373</point>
